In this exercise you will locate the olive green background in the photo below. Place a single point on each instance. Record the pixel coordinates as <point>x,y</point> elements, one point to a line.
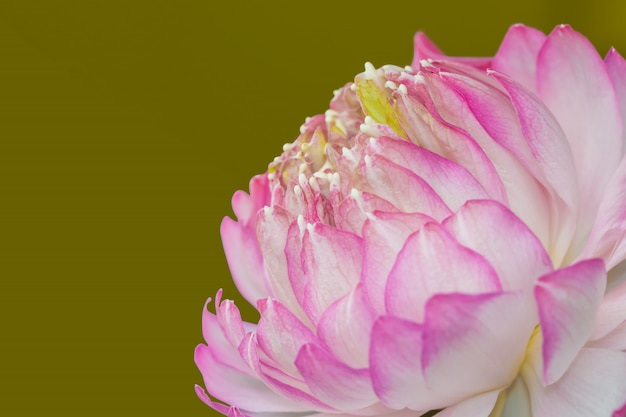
<point>125,127</point>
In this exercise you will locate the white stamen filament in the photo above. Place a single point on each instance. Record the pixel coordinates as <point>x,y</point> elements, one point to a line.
<point>369,130</point>
<point>370,71</point>
<point>391,85</point>
<point>348,154</point>
<point>368,161</point>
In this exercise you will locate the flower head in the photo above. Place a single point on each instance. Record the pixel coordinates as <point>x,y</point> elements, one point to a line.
<point>448,236</point>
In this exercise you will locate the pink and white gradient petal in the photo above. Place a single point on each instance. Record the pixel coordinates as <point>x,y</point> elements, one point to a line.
<point>568,300</point>
<point>587,112</point>
<point>594,385</point>
<point>614,340</point>
<point>489,228</point>
<point>612,311</point>
<point>473,106</point>
<point>234,387</point>
<point>244,259</point>
<point>426,128</point>
<point>396,365</point>
<point>517,55</point>
<point>280,334</point>
<point>291,388</point>
<point>432,262</point>
<point>239,240</point>
<point>272,227</point>
<point>469,335</point>
<point>332,381</point>
<point>608,235</point>
<point>345,328</point>
<point>452,182</point>
<point>378,175</point>
<point>384,235</point>
<point>616,66</point>
<point>553,162</point>
<point>426,49</point>
<point>329,278</point>
<point>480,405</point>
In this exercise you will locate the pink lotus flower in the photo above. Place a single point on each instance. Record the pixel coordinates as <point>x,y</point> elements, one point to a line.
<point>448,236</point>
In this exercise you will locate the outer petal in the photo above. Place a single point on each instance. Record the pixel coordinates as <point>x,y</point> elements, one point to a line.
<point>353,211</point>
<point>612,311</point>
<point>550,150</point>
<point>495,115</point>
<point>594,385</point>
<point>293,253</point>
<point>568,301</point>
<point>244,259</point>
<point>272,227</point>
<point>396,368</point>
<point>492,230</point>
<point>346,326</point>
<point>385,412</point>
<point>486,114</point>
<point>478,406</point>
<point>246,206</point>
<point>280,334</point>
<point>226,375</point>
<point>291,388</point>
<point>615,340</point>
<point>466,336</point>
<point>588,113</point>
<point>426,49</point>
<point>399,186</point>
<point>608,236</point>
<point>334,382</point>
<point>234,387</point>
<point>616,66</point>
<point>240,244</point>
<point>453,183</point>
<point>332,260</point>
<point>219,342</point>
<point>235,412</point>
<point>426,127</point>
<point>201,393</point>
<point>517,55</point>
<point>432,262</point>
<point>384,235</point>
<point>229,319</point>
